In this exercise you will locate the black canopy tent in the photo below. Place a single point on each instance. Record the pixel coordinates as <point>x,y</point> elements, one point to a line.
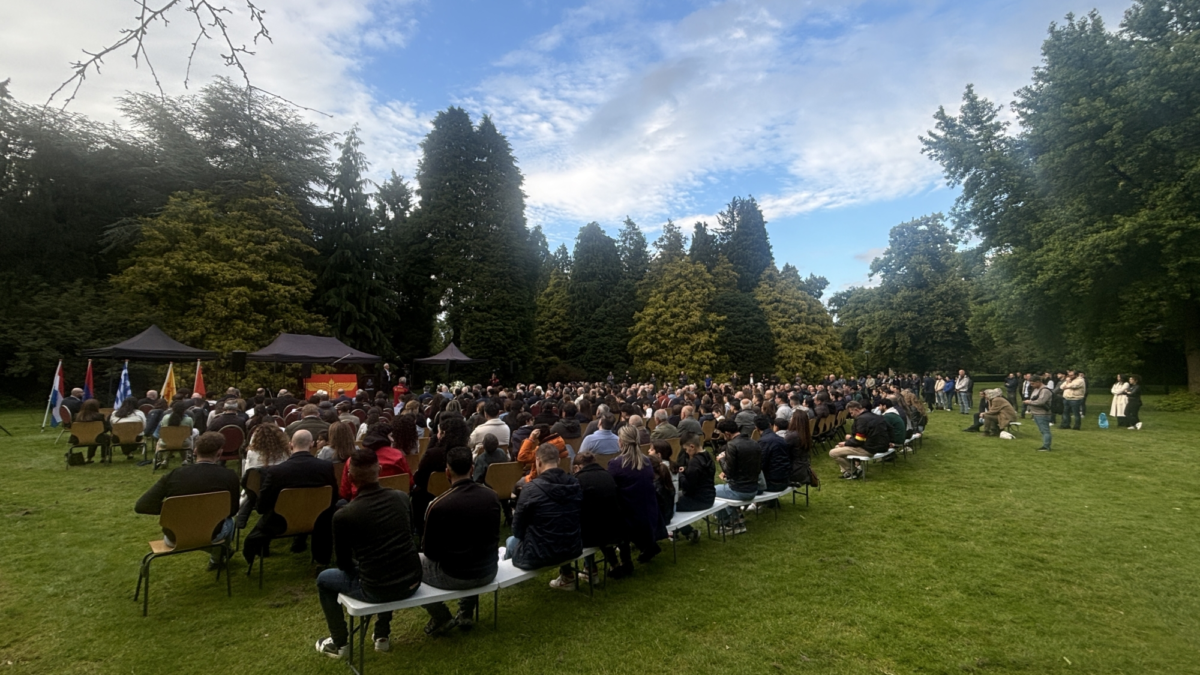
<point>151,345</point>
<point>447,357</point>
<point>292,348</point>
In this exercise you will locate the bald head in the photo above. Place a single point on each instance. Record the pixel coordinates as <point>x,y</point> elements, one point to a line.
<point>302,441</point>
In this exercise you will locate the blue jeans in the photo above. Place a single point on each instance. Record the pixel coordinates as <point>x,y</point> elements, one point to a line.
<point>510,547</point>
<point>726,492</point>
<point>964,402</point>
<point>1072,410</point>
<point>223,534</point>
<point>1043,425</point>
<point>333,581</point>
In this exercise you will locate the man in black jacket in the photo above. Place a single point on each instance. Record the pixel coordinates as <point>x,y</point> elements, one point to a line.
<point>196,479</point>
<point>741,464</point>
<point>462,528</point>
<point>776,460</point>
<point>697,489</point>
<point>301,470</point>
<point>871,435</point>
<point>377,560</point>
<point>546,521</point>
<point>597,515</point>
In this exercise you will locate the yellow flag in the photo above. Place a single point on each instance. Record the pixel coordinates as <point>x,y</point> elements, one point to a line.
<point>168,389</point>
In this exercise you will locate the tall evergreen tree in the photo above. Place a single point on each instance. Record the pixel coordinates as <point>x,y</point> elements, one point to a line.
<point>676,331</point>
<point>745,242</point>
<point>596,272</point>
<point>352,286</point>
<point>806,342</point>
<point>705,246</point>
<point>409,263</point>
<point>552,338</point>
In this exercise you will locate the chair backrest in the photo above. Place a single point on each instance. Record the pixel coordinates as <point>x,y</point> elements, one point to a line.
<point>192,518</point>
<point>396,482</point>
<point>646,448</point>
<point>503,476</point>
<point>146,408</point>
<point>288,410</point>
<point>438,483</point>
<point>675,448</point>
<point>107,412</point>
<point>173,438</point>
<point>707,428</point>
<point>279,422</point>
<point>812,425</point>
<point>422,446</point>
<point>300,507</point>
<point>254,480</point>
<point>756,434</point>
<point>291,417</point>
<point>651,423</point>
<point>65,413</point>
<point>564,463</point>
<point>338,468</point>
<point>86,432</point>
<point>234,439</point>
<point>574,443</point>
<point>603,460</point>
<point>127,432</point>
<point>362,416</point>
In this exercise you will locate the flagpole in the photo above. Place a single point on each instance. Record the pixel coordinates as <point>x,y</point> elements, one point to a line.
<point>50,398</point>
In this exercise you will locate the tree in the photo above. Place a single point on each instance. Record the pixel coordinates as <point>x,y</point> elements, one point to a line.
<point>596,271</point>
<point>744,241</point>
<point>676,331</point>
<point>552,334</point>
<point>1090,208</point>
<point>917,318</point>
<point>813,285</point>
<point>408,256</point>
<point>222,273</point>
<point>352,286</point>
<point>705,246</point>
<point>806,342</point>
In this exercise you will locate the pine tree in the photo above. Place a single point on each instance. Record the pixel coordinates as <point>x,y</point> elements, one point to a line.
<point>596,272</point>
<point>676,331</point>
<point>552,334</point>
<point>705,246</point>
<point>352,289</point>
<point>745,242</point>
<point>806,342</point>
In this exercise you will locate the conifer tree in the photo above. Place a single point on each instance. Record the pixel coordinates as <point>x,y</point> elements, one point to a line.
<point>806,342</point>
<point>552,337</point>
<point>596,272</point>
<point>745,242</point>
<point>677,331</point>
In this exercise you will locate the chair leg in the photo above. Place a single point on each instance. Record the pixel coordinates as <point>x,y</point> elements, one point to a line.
<point>146,594</point>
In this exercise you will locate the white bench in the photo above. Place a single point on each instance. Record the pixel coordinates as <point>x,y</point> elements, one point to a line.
<point>683,518</point>
<point>507,575</point>
<point>865,460</point>
<point>758,499</point>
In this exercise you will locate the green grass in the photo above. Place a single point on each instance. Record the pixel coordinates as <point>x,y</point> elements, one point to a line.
<point>976,556</point>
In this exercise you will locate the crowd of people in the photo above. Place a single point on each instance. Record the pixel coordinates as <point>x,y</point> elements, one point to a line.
<point>635,451</point>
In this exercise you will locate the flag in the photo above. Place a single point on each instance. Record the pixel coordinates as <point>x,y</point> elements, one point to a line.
<point>199,388</point>
<point>88,390</point>
<point>167,392</point>
<point>124,391</point>
<point>57,394</point>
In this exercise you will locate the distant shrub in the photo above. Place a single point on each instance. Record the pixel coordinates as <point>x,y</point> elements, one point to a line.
<point>1179,400</point>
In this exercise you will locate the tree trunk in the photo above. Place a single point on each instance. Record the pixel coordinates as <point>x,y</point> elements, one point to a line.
<point>1191,346</point>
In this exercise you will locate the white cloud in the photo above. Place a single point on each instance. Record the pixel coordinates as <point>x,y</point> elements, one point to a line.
<point>870,254</point>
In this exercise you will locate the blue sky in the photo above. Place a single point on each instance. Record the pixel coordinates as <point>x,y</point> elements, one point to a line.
<point>652,110</point>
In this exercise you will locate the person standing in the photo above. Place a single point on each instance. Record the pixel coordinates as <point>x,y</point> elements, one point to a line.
<point>1038,404</point>
<point>1133,406</point>
<point>1026,391</point>
<point>1074,389</point>
<point>963,387</point>
<point>1119,401</point>
<point>1010,387</point>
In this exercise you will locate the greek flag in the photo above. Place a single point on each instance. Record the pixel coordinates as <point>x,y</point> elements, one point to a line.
<point>124,391</point>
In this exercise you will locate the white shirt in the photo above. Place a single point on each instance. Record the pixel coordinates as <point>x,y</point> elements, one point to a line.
<point>494,427</point>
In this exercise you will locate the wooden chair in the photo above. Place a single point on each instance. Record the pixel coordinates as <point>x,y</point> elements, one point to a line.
<point>502,477</point>
<point>362,416</point>
<point>604,459</point>
<point>146,408</point>
<point>651,423</point>
<point>300,508</point>
<point>338,468</point>
<point>126,434</point>
<point>574,443</point>
<point>192,520</point>
<point>107,412</point>
<point>65,413</point>
<point>252,483</point>
<point>675,448</point>
<point>288,410</point>
<point>279,422</point>
<point>235,440</point>
<point>422,446</point>
<point>291,417</point>
<point>564,463</point>
<point>174,439</point>
<point>87,434</point>
<point>645,447</point>
<point>399,482</point>
<point>438,483</point>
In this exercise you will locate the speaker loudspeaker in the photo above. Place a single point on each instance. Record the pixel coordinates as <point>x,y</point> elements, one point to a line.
<point>237,361</point>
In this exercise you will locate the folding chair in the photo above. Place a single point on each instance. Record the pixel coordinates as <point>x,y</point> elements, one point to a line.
<point>146,408</point>
<point>399,482</point>
<point>235,440</point>
<point>126,434</point>
<point>338,468</point>
<point>438,483</point>
<point>574,443</point>
<point>300,508</point>
<point>706,431</point>
<point>252,483</point>
<point>675,448</point>
<point>65,413</point>
<point>174,439</point>
<point>192,519</point>
<point>362,416</point>
<point>87,434</point>
<point>422,446</point>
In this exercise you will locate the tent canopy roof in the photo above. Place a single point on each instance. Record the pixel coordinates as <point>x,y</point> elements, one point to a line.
<point>151,345</point>
<point>450,354</point>
<point>292,348</point>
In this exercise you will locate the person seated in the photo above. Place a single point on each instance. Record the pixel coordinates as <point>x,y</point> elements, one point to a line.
<point>776,458</point>
<point>377,560</point>
<point>462,528</point>
<point>391,461</point>
<point>129,412</point>
<point>1000,413</point>
<point>492,424</point>
<point>301,470</point>
<point>568,425</point>
<point>229,416</point>
<point>201,477</point>
<point>541,436</point>
<point>90,412</point>
<point>745,418</point>
<point>600,529</point>
<point>870,436</point>
<point>697,490</point>
<point>688,422</point>
<point>638,422</point>
<point>310,421</point>
<point>344,415</point>
<point>74,402</point>
<point>178,417</point>
<point>898,430</point>
<point>522,431</point>
<point>546,521</point>
<point>799,440</point>
<point>741,464</point>
<point>663,429</point>
<point>642,526</point>
<point>485,454</point>
<point>268,446</point>
<point>664,483</point>
<point>977,418</point>
<point>602,441</point>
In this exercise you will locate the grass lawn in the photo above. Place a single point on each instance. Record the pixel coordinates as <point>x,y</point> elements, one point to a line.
<point>977,555</point>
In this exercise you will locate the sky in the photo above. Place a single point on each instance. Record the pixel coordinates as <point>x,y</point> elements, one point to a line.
<point>652,110</point>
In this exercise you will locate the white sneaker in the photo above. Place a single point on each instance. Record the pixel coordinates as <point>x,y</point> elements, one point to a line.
<point>1138,426</point>
<point>383,645</point>
<point>329,649</point>
<point>562,583</point>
